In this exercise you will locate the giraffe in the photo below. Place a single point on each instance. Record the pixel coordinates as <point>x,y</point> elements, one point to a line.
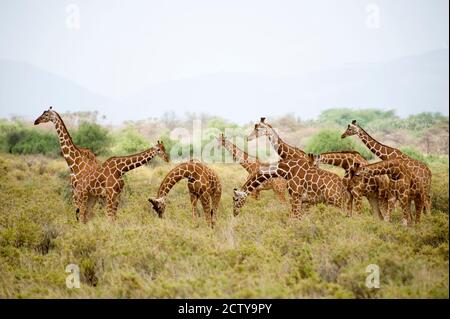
<point>401,186</point>
<point>106,180</point>
<point>304,182</point>
<point>79,159</point>
<point>374,188</point>
<point>284,150</point>
<point>89,177</point>
<point>203,183</point>
<point>252,165</point>
<point>420,172</point>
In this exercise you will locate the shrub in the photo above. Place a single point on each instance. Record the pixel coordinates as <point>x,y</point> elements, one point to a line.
<point>330,141</point>
<point>29,141</point>
<point>94,137</point>
<point>129,141</point>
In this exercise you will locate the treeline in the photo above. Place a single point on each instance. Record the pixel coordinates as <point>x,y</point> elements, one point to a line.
<point>417,135</point>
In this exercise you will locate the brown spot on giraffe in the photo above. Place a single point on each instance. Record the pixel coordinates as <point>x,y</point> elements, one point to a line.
<point>203,184</point>
<point>374,188</point>
<point>252,165</point>
<point>299,173</point>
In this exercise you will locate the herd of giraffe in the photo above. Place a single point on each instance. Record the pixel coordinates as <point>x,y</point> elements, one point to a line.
<point>396,178</point>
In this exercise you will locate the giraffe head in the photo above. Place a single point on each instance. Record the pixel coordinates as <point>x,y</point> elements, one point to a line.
<point>314,159</point>
<point>352,129</point>
<point>261,129</point>
<point>159,205</point>
<point>239,198</point>
<point>162,151</point>
<point>357,171</point>
<point>353,178</point>
<point>47,116</point>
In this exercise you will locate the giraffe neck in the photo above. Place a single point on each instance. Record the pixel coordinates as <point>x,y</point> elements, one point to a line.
<point>128,163</point>
<point>284,150</point>
<point>177,174</point>
<point>247,162</point>
<point>382,151</point>
<point>385,167</point>
<point>344,160</point>
<point>266,173</point>
<point>69,150</point>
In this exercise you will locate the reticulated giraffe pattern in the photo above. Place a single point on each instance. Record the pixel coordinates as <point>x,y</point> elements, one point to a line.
<point>91,179</point>
<point>401,186</point>
<point>420,173</point>
<point>252,165</point>
<point>203,184</point>
<point>305,182</point>
<point>374,188</point>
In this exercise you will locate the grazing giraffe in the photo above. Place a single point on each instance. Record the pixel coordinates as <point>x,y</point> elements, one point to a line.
<point>401,186</point>
<point>252,165</point>
<point>106,180</point>
<point>284,150</point>
<point>420,172</point>
<point>203,184</point>
<point>374,188</point>
<point>305,182</point>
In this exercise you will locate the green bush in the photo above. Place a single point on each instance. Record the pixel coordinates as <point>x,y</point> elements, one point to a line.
<point>330,141</point>
<point>29,141</point>
<point>344,116</point>
<point>94,137</point>
<point>129,141</point>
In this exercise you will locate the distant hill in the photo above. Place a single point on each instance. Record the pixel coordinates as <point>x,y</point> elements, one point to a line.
<point>409,85</point>
<point>28,90</point>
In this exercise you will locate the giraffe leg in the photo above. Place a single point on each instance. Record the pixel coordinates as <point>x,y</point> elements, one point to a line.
<point>215,205</point>
<point>256,194</point>
<point>427,204</point>
<point>278,189</point>
<point>374,204</point>
<point>390,205</point>
<point>194,200</point>
<point>83,208</point>
<point>383,206</point>
<point>92,200</point>
<point>111,205</point>
<point>296,203</point>
<point>205,199</point>
<point>419,205</point>
<point>406,208</point>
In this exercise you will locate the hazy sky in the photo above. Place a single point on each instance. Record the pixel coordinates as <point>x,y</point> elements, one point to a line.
<point>124,46</point>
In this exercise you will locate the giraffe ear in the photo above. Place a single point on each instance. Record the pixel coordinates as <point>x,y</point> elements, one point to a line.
<point>354,122</point>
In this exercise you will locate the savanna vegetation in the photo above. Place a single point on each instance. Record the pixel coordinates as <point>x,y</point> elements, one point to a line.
<point>260,253</point>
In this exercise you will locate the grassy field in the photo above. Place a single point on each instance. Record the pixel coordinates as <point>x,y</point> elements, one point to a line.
<point>259,254</point>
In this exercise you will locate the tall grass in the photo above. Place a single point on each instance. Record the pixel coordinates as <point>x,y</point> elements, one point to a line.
<point>261,253</point>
